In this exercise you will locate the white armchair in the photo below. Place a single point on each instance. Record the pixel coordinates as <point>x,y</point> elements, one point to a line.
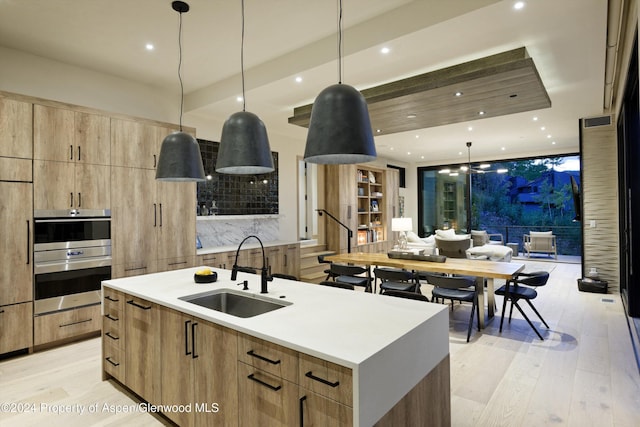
<point>540,242</point>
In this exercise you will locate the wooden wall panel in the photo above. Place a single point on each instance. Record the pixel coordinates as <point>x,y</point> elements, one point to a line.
<point>600,202</point>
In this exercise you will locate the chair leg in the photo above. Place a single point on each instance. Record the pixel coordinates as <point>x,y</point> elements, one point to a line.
<point>528,321</point>
<point>473,309</point>
<point>536,311</point>
<point>510,311</point>
<point>504,308</point>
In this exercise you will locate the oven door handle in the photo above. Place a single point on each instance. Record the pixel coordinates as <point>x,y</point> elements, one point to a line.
<point>76,219</point>
<point>74,253</point>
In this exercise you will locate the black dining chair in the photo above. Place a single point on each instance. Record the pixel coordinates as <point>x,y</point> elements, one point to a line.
<point>455,288</point>
<point>352,275</point>
<point>327,271</point>
<point>408,295</point>
<point>520,287</point>
<point>340,285</point>
<point>396,279</point>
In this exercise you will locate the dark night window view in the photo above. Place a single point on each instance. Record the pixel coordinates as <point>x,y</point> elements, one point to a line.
<point>507,197</point>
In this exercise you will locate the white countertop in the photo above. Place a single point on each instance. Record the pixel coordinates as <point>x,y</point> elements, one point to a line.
<point>250,244</point>
<point>390,343</point>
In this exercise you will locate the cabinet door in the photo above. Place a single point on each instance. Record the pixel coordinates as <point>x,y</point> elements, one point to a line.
<point>292,260</point>
<point>142,348</point>
<point>92,186</point>
<point>267,400</point>
<point>16,229</point>
<point>92,139</point>
<point>135,144</point>
<point>176,204</point>
<point>16,129</point>
<point>16,327</point>
<point>215,375</point>
<point>275,258</point>
<point>177,363</point>
<point>134,220</point>
<point>54,185</point>
<point>316,410</point>
<point>53,133</point>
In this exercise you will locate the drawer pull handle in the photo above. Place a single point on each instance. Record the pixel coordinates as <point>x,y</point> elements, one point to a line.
<point>108,359</point>
<point>113,337</point>
<point>274,388</point>
<point>302,399</point>
<point>75,323</point>
<point>135,304</point>
<point>110,298</point>
<point>273,362</point>
<point>322,380</point>
<point>110,317</point>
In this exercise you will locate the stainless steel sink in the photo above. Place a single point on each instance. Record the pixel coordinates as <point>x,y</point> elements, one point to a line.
<point>235,303</point>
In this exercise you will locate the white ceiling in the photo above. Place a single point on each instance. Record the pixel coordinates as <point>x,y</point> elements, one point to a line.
<point>289,38</point>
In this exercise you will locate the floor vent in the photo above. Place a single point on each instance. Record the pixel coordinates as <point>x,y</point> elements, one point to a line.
<point>597,121</point>
<point>607,300</point>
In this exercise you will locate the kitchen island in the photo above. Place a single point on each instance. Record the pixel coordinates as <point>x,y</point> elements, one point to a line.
<point>351,357</point>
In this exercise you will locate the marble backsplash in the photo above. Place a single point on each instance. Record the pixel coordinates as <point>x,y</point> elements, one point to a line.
<point>229,230</point>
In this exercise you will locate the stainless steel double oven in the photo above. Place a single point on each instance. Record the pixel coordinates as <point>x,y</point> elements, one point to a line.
<point>72,255</point>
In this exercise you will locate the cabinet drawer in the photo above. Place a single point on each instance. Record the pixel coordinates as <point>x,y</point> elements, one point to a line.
<point>265,399</point>
<point>112,358</point>
<point>66,324</point>
<point>113,330</point>
<point>16,325</point>
<point>113,304</point>
<point>269,357</point>
<point>316,410</point>
<point>326,378</point>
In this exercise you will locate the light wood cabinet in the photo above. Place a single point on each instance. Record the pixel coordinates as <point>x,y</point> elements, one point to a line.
<point>61,185</point>
<point>316,410</point>
<point>71,136</point>
<point>16,229</point>
<point>143,348</point>
<point>16,128</point>
<point>203,358</point>
<point>113,330</point>
<point>176,228</point>
<point>60,325</point>
<point>16,326</point>
<point>362,198</point>
<point>144,152</point>
<point>292,260</point>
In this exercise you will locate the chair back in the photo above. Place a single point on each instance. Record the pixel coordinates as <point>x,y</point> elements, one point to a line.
<point>453,248</point>
<point>408,295</point>
<point>321,260</point>
<point>450,282</point>
<point>534,279</point>
<point>337,285</point>
<point>479,237</point>
<point>394,275</point>
<point>541,241</point>
<point>347,270</point>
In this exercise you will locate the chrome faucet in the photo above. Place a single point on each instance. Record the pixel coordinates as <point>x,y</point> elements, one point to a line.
<point>264,271</point>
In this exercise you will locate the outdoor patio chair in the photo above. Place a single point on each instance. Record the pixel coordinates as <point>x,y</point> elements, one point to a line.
<point>540,242</point>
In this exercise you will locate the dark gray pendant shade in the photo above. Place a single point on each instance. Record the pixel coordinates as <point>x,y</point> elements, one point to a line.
<point>244,146</point>
<point>339,128</point>
<point>180,159</point>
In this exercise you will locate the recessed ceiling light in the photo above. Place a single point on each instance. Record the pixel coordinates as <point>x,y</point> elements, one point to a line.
<point>548,136</point>
<point>417,136</point>
<point>408,153</point>
<point>298,79</point>
<point>391,148</point>
<point>411,116</point>
<point>503,148</point>
<point>385,50</point>
<point>458,93</point>
<point>535,119</point>
<point>149,46</point>
<point>459,153</point>
<point>553,143</point>
<point>470,128</point>
<point>481,113</point>
<point>542,128</point>
<point>239,99</point>
<point>422,157</point>
<point>518,5</point>
<point>378,130</point>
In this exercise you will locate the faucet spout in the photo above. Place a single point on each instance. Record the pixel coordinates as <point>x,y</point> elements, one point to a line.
<point>264,270</point>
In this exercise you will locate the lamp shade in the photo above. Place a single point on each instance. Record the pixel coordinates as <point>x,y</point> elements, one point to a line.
<point>401,224</point>
<point>180,159</point>
<point>244,146</point>
<point>339,128</point>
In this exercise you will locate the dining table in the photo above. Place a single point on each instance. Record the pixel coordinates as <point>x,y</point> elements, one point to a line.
<point>484,271</point>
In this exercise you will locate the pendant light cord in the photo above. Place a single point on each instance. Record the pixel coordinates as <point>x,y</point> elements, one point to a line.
<point>339,41</point>
<point>244,102</point>
<point>179,68</point>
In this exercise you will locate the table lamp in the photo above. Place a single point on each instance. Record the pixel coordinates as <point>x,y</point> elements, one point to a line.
<point>402,225</point>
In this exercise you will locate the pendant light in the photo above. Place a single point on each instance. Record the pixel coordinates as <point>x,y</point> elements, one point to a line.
<point>180,158</point>
<point>244,145</point>
<point>339,128</point>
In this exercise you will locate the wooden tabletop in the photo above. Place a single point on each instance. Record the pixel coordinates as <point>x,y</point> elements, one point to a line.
<point>471,267</point>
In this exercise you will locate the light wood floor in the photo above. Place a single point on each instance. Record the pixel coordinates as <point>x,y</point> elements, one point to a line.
<point>583,373</point>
